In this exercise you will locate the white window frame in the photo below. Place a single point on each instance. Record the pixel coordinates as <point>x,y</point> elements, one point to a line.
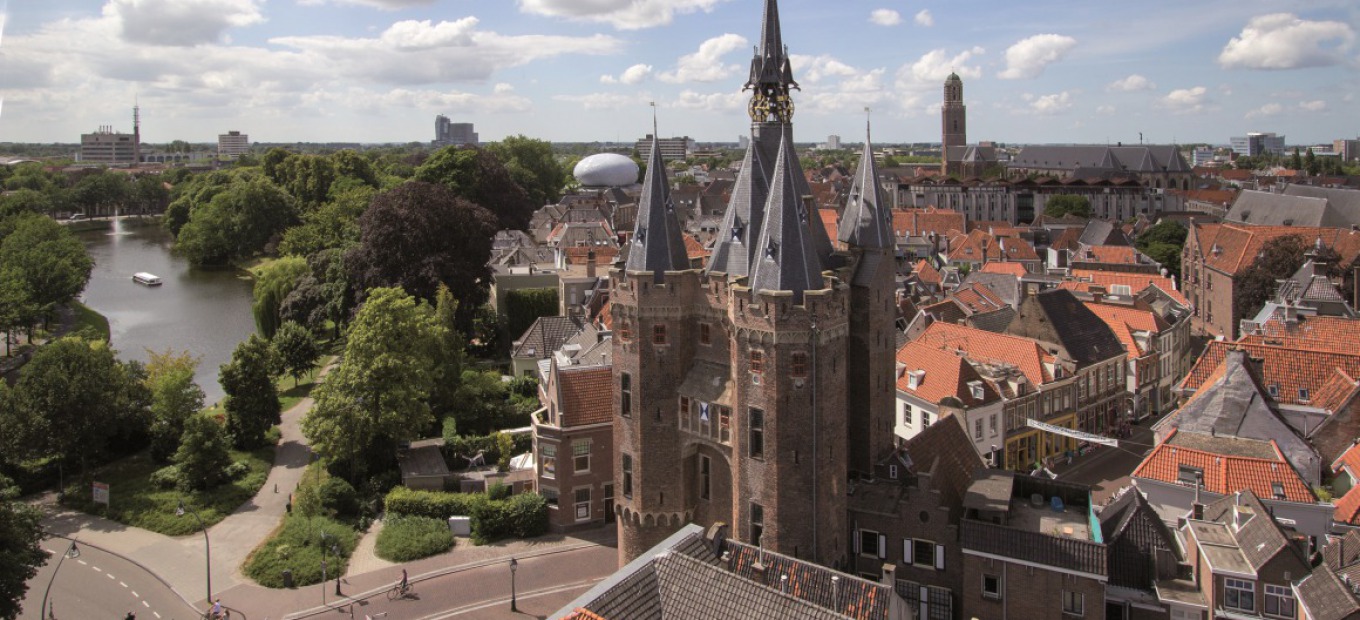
<point>1239,586</point>
<point>580,505</point>
<point>547,454</point>
<point>1077,609</point>
<point>1283,594</point>
<point>576,448</point>
<point>878,550</point>
<point>991,595</point>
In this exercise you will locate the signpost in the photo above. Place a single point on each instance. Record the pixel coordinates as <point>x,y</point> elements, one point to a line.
<point>101,493</point>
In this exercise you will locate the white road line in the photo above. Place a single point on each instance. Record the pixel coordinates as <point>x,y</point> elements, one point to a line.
<point>444,615</point>
<point>83,562</point>
<point>146,604</point>
<point>156,613</point>
<point>134,593</point>
<point>122,584</point>
<point>110,575</point>
<point>97,569</point>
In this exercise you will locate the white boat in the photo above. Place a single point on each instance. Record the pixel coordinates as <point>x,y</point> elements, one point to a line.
<point>149,279</point>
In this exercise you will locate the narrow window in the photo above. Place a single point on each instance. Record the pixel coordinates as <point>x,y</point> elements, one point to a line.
<point>756,441</point>
<point>582,504</point>
<point>757,361</point>
<point>659,333</point>
<point>1074,603</point>
<point>705,469</point>
<point>991,586</point>
<point>684,412</point>
<point>705,333</point>
<point>757,523</point>
<point>548,452</point>
<point>628,475</point>
<point>580,455</point>
<point>626,394</point>
<point>798,363</point>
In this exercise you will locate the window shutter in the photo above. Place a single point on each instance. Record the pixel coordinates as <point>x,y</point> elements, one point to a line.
<point>906,551</point>
<point>882,546</point>
<point>857,542</point>
<point>939,557</point>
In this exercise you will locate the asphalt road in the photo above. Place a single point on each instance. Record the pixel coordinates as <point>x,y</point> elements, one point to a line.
<point>543,584</point>
<point>100,586</point>
<point>1108,469</point>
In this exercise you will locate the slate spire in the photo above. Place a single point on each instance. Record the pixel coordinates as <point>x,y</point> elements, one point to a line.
<point>786,256</point>
<point>771,73</point>
<point>867,222</point>
<point>735,247</point>
<point>658,245</point>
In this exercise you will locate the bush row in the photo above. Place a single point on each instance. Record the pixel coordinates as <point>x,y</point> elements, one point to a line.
<point>519,516</point>
<point>298,547</point>
<point>404,539</point>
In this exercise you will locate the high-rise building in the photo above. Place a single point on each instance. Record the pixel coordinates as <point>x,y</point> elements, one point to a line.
<point>672,149</point>
<point>1254,144</point>
<point>232,145</point>
<point>448,133</point>
<point>1347,150</point>
<point>750,391</point>
<point>107,146</point>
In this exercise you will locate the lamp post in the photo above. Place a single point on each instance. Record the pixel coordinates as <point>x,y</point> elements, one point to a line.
<point>207,546</point>
<point>71,552</point>
<point>335,550</point>
<point>513,603</point>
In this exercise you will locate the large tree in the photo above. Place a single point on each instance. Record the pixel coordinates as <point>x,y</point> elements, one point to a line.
<point>295,349</point>
<point>273,282</point>
<point>20,532</point>
<point>382,388</point>
<point>321,297</point>
<point>202,457</point>
<point>52,263</point>
<point>237,222</point>
<point>419,235</point>
<point>482,178</point>
<point>252,403</point>
<point>1163,243</point>
<point>1279,258</point>
<point>102,193</point>
<point>533,166</point>
<point>174,398</point>
<point>333,225</point>
<point>1067,204</point>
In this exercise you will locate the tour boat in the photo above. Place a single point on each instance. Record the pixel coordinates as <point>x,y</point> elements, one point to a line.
<point>148,279</point>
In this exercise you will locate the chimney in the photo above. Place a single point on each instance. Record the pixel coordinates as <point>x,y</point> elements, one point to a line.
<point>758,572</point>
<point>889,575</point>
<point>590,263</point>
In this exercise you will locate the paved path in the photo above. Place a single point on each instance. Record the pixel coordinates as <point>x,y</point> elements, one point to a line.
<point>98,584</point>
<point>1109,469</point>
<point>365,557</point>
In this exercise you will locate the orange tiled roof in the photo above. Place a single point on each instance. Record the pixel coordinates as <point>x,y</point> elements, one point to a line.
<point>581,613</point>
<point>990,348</point>
<point>1111,254</point>
<point>607,314</point>
<point>927,273</point>
<point>1323,333</point>
<point>587,395</point>
<point>970,248</point>
<point>1347,509</point>
<point>695,249</point>
<point>1226,473</point>
<point>1235,175</point>
<point>831,220</point>
<point>1221,197</point>
<point>1333,394</point>
<point>1068,239</point>
<point>1137,282</point>
<point>920,222</point>
<point>604,255</point>
<point>1123,321</point>
<point>977,298</point>
<point>1014,269</point>
<point>946,374</point>
<point>1350,459</point>
<point>1287,369</point>
<point>1238,244</point>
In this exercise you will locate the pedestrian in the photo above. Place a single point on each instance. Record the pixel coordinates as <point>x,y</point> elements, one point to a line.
<point>132,615</point>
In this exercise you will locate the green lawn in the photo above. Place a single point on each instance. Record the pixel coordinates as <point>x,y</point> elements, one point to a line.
<point>87,319</point>
<point>136,502</point>
<point>290,393</point>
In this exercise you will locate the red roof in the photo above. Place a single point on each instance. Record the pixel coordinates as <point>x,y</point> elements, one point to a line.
<point>1322,333</point>
<point>695,249</point>
<point>1137,282</point>
<point>1226,473</point>
<point>1014,269</point>
<point>920,222</point>
<point>1350,459</point>
<point>1287,369</point>
<point>832,221</point>
<point>927,273</point>
<point>990,348</point>
<point>1231,248</point>
<point>1347,509</point>
<point>1124,321</point>
<point>946,374</point>
<point>978,298</point>
<point>587,395</point>
<point>1122,254</point>
<point>976,244</point>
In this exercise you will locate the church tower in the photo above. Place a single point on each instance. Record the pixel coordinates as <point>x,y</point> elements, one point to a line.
<point>954,124</point>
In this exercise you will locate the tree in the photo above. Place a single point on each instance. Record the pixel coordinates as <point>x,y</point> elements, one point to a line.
<point>273,282</point>
<point>74,400</point>
<point>1279,258</point>
<point>321,297</point>
<point>333,225</point>
<point>202,457</point>
<point>295,349</point>
<point>252,404</point>
<point>20,532</point>
<point>483,403</point>
<point>1296,162</point>
<point>25,201</point>
<point>174,398</point>
<point>236,223</point>
<point>480,177</point>
<point>51,261</point>
<point>420,235</point>
<point>533,166</point>
<point>449,357</point>
<point>101,192</point>
<point>1163,242</point>
<point>1067,204</point>
<point>1310,163</point>
<point>381,390</point>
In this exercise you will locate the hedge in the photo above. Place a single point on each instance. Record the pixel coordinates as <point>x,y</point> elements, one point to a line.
<point>524,306</point>
<point>402,501</point>
<point>404,539</point>
<point>521,516</point>
<point>297,547</point>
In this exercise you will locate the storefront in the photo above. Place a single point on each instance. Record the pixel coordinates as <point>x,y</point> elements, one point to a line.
<point>1032,447</point>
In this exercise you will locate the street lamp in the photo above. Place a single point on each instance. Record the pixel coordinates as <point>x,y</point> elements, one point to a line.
<point>71,552</point>
<point>207,545</point>
<point>335,550</point>
<point>513,566</point>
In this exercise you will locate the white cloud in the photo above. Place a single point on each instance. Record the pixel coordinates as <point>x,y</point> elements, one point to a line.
<point>705,65</point>
<point>711,102</point>
<point>1106,110</point>
<point>1132,83</point>
<point>1028,57</point>
<point>1186,100</point>
<point>885,17</point>
<point>503,88</point>
<point>607,101</point>
<point>622,14</point>
<point>422,99</point>
<point>386,5</point>
<point>1313,106</point>
<point>631,75</point>
<point>1283,41</point>
<point>813,69</point>
<point>930,70</point>
<point>1051,104</point>
<point>924,18</point>
<point>1269,109</point>
<point>181,23</point>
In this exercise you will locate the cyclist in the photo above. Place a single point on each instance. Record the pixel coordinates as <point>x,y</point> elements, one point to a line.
<point>405,585</point>
<point>217,610</point>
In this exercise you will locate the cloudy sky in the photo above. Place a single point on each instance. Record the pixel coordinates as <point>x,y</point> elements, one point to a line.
<point>584,70</point>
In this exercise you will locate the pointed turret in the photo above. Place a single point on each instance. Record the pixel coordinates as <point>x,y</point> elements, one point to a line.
<point>867,222</point>
<point>736,243</point>
<point>771,73</point>
<point>786,257</point>
<point>658,245</point>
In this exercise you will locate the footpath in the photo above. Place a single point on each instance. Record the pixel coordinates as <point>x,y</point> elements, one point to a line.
<point>179,561</point>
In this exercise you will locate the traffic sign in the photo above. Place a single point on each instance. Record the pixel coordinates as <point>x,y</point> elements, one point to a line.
<point>101,493</point>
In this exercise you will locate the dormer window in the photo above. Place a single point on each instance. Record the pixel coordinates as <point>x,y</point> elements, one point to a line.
<point>1277,490</point>
<point>914,379</point>
<point>975,388</point>
<point>1273,390</point>
<point>1303,395</point>
<point>1189,474</point>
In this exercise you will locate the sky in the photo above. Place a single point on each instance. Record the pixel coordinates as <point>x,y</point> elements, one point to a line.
<point>1039,71</point>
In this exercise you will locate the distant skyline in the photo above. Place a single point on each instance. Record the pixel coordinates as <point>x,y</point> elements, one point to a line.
<point>585,70</point>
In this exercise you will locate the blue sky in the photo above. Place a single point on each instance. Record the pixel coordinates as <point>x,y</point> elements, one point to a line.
<point>583,70</point>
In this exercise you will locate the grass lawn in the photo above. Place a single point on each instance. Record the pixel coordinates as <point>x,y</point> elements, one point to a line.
<point>87,319</point>
<point>137,502</point>
<point>290,394</point>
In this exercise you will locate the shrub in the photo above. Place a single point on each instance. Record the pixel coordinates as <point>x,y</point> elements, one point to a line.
<point>166,477</point>
<point>402,501</point>
<point>237,470</point>
<point>498,491</point>
<point>457,448</point>
<point>522,516</point>
<point>298,547</point>
<point>338,497</point>
<point>404,539</point>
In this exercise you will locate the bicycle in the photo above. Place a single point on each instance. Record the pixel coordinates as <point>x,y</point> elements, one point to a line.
<point>398,591</point>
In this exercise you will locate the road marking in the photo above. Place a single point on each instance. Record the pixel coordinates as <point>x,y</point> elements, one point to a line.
<point>97,569</point>
<point>580,585</point>
<point>134,593</point>
<point>122,584</point>
<point>110,575</point>
<point>156,613</point>
<point>146,604</point>
<point>83,562</point>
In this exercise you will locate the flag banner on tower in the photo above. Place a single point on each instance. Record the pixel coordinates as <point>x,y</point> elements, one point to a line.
<point>1067,432</point>
<point>703,411</point>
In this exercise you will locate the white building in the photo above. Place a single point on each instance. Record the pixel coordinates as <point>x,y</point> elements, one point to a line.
<point>935,382</point>
<point>232,145</point>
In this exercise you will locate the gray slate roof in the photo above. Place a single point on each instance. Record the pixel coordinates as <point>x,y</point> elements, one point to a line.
<point>1325,597</point>
<point>1136,536</point>
<point>1260,537</point>
<point>1136,159</point>
<point>1343,205</point>
<point>546,335</point>
<point>786,254</point>
<point>1270,209</point>
<point>658,242</point>
<point>867,221</point>
<point>740,231</point>
<point>1058,317</point>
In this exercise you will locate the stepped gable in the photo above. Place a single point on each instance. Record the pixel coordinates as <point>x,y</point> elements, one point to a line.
<point>736,242</point>
<point>658,244</point>
<point>867,222</point>
<point>787,258</point>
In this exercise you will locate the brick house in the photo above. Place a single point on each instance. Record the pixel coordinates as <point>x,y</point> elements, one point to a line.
<point>573,445</point>
<point>1141,550</point>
